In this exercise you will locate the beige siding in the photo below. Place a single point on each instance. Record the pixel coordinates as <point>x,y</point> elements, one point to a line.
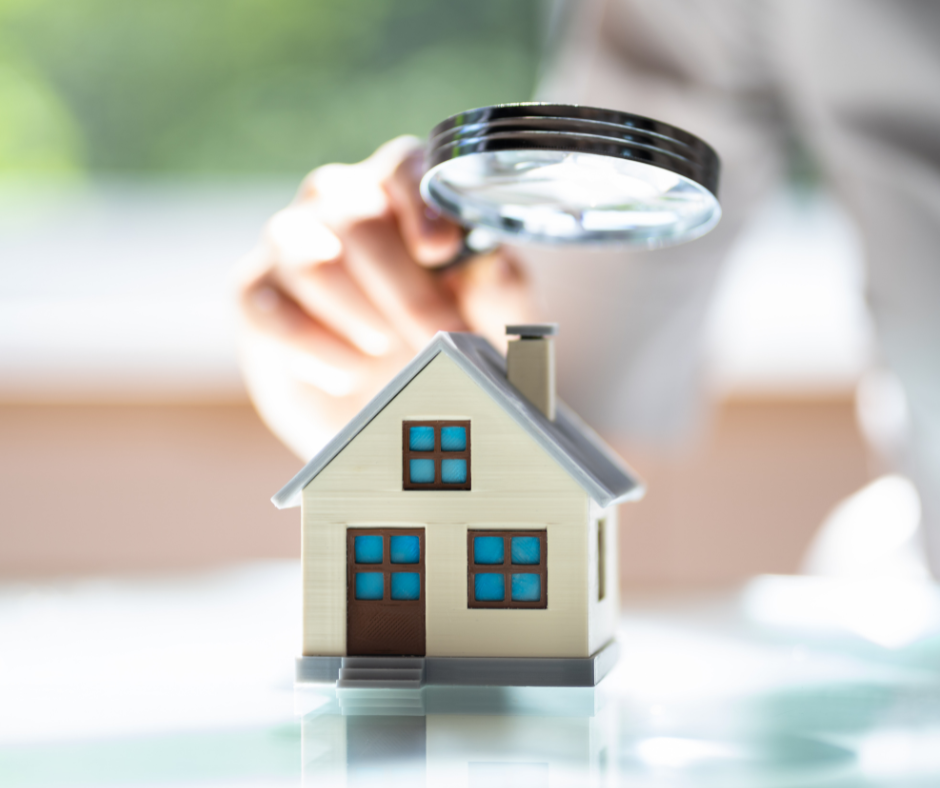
<point>515,485</point>
<point>323,558</point>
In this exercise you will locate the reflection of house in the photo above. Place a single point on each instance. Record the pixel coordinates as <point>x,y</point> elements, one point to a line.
<point>471,737</point>
<point>463,514</point>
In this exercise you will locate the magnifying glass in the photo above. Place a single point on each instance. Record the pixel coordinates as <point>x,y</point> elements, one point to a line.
<point>560,174</point>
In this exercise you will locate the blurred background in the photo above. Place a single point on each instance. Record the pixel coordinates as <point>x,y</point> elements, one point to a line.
<point>142,147</point>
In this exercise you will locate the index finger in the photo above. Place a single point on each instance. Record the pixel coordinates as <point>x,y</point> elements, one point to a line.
<point>412,299</point>
<point>431,238</point>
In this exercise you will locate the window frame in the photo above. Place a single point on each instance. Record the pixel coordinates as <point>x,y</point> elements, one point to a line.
<point>437,454</point>
<point>507,568</point>
<point>386,567</point>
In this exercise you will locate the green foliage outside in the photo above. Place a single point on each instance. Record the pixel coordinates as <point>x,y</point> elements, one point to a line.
<point>246,86</point>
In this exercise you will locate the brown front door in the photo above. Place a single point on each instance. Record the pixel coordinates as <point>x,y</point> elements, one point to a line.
<point>385,591</point>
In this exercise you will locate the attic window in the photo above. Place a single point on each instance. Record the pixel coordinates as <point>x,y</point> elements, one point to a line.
<point>436,455</point>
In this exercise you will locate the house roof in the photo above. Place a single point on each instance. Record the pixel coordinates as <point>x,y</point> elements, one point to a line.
<point>574,445</point>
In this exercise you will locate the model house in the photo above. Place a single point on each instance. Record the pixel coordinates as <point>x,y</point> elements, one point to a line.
<point>465,521</point>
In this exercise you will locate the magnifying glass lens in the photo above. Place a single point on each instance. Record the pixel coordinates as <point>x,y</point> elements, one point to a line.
<point>564,174</point>
<point>557,197</point>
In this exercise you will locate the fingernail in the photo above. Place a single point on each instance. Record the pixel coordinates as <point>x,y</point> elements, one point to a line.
<point>332,380</point>
<point>375,343</point>
<point>349,192</point>
<point>301,240</point>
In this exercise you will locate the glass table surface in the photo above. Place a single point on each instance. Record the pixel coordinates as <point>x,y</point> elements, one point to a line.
<point>187,680</point>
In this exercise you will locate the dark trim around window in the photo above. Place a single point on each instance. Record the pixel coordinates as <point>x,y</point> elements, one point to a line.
<point>386,567</point>
<point>437,455</point>
<point>507,568</point>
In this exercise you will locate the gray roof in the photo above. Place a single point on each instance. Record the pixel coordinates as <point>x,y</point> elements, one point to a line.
<point>575,446</point>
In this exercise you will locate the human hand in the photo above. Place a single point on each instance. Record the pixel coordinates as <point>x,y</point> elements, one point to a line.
<point>341,293</point>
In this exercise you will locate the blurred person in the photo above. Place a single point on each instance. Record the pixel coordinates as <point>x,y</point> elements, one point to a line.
<point>342,291</point>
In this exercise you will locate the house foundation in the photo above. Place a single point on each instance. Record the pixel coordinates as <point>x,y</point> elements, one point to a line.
<point>475,671</point>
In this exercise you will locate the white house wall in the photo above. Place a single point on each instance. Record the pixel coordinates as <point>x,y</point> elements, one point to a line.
<point>515,484</point>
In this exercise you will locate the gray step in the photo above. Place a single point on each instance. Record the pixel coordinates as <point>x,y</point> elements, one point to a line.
<point>383,662</point>
<point>381,672</point>
<point>390,674</point>
<point>376,683</point>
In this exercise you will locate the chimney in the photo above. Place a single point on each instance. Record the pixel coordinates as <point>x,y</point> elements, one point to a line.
<point>530,364</point>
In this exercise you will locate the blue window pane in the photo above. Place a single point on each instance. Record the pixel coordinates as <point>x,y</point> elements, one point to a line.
<point>526,588</point>
<point>454,471</point>
<point>488,550</point>
<point>526,550</point>
<point>421,438</point>
<point>453,438</point>
<point>368,549</point>
<point>370,585</point>
<point>489,588</point>
<point>406,585</point>
<point>422,471</point>
<point>405,550</point>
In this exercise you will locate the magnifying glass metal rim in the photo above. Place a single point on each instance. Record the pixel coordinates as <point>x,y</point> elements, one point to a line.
<point>577,143</point>
<point>571,128</point>
<point>579,135</point>
<point>557,123</point>
<point>573,112</point>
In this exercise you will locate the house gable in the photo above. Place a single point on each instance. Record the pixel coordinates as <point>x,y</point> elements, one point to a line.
<point>586,458</point>
<point>506,463</point>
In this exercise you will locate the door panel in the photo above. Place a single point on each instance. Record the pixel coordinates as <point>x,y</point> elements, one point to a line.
<point>385,592</point>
